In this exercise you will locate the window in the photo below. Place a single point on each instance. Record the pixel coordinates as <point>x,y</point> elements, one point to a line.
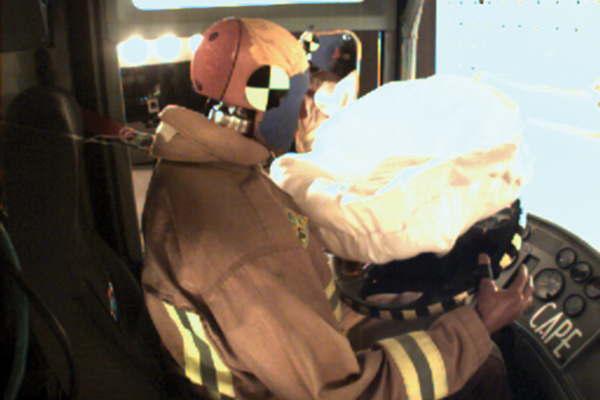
<point>175,4</point>
<point>545,54</point>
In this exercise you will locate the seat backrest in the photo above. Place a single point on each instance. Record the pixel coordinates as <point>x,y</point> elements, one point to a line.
<point>90,291</point>
<point>109,176</point>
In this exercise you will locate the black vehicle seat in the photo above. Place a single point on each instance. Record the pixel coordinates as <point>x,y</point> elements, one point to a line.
<point>91,292</point>
<point>14,321</point>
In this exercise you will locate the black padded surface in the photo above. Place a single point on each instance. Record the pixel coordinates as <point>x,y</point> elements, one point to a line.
<point>68,264</point>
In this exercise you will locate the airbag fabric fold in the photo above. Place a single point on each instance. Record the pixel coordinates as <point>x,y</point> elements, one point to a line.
<point>408,168</point>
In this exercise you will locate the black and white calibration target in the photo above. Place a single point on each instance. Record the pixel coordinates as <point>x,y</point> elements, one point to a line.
<point>266,87</point>
<point>310,42</point>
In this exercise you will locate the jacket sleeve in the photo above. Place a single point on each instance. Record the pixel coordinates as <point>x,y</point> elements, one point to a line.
<point>274,333</point>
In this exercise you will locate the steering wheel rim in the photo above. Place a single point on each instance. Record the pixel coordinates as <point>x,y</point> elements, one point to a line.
<point>441,288</point>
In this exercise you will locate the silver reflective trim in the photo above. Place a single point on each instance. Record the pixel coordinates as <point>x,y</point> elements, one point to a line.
<point>233,117</point>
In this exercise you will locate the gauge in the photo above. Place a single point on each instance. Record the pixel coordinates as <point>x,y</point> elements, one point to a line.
<point>565,258</point>
<point>574,305</point>
<point>592,288</point>
<point>581,272</point>
<point>548,284</point>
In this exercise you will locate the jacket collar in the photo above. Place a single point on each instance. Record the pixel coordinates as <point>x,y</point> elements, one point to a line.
<point>189,136</point>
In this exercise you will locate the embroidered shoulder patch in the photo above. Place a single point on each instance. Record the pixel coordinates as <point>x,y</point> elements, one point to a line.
<point>300,224</point>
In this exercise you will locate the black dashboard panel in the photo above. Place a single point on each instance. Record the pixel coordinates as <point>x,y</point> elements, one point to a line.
<point>558,335</point>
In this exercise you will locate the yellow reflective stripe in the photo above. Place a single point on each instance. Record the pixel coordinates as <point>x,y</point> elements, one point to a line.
<point>330,289</point>
<point>517,241</point>
<point>213,395</point>
<point>421,365</point>
<point>224,377</point>
<point>459,298</point>
<point>406,367</point>
<point>409,314</point>
<point>338,311</point>
<point>436,363</point>
<point>435,309</point>
<point>191,352</point>
<point>334,299</point>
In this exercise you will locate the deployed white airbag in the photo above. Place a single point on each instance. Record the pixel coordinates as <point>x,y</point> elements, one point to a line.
<point>408,168</point>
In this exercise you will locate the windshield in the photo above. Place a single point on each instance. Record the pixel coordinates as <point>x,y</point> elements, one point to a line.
<point>555,81</point>
<point>177,4</point>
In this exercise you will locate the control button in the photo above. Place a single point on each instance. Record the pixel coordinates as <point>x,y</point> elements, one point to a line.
<point>548,284</point>
<point>565,258</point>
<point>581,272</point>
<point>574,305</point>
<point>592,288</point>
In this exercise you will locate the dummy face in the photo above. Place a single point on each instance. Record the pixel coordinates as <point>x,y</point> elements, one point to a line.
<point>276,127</point>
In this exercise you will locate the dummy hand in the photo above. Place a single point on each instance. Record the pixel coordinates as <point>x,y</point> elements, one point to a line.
<point>498,308</point>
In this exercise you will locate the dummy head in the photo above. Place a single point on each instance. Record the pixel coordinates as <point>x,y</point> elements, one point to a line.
<point>254,74</point>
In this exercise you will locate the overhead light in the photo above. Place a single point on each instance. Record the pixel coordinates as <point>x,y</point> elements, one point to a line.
<point>194,42</point>
<point>134,51</point>
<point>168,48</point>
<point>178,4</point>
<point>137,52</point>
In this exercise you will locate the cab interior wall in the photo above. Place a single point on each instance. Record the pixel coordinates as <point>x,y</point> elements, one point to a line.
<point>123,20</point>
<point>18,67</point>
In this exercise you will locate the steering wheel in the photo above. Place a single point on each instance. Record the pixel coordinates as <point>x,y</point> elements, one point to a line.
<point>433,284</point>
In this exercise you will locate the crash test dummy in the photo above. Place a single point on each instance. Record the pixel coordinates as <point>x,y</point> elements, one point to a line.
<point>236,279</point>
